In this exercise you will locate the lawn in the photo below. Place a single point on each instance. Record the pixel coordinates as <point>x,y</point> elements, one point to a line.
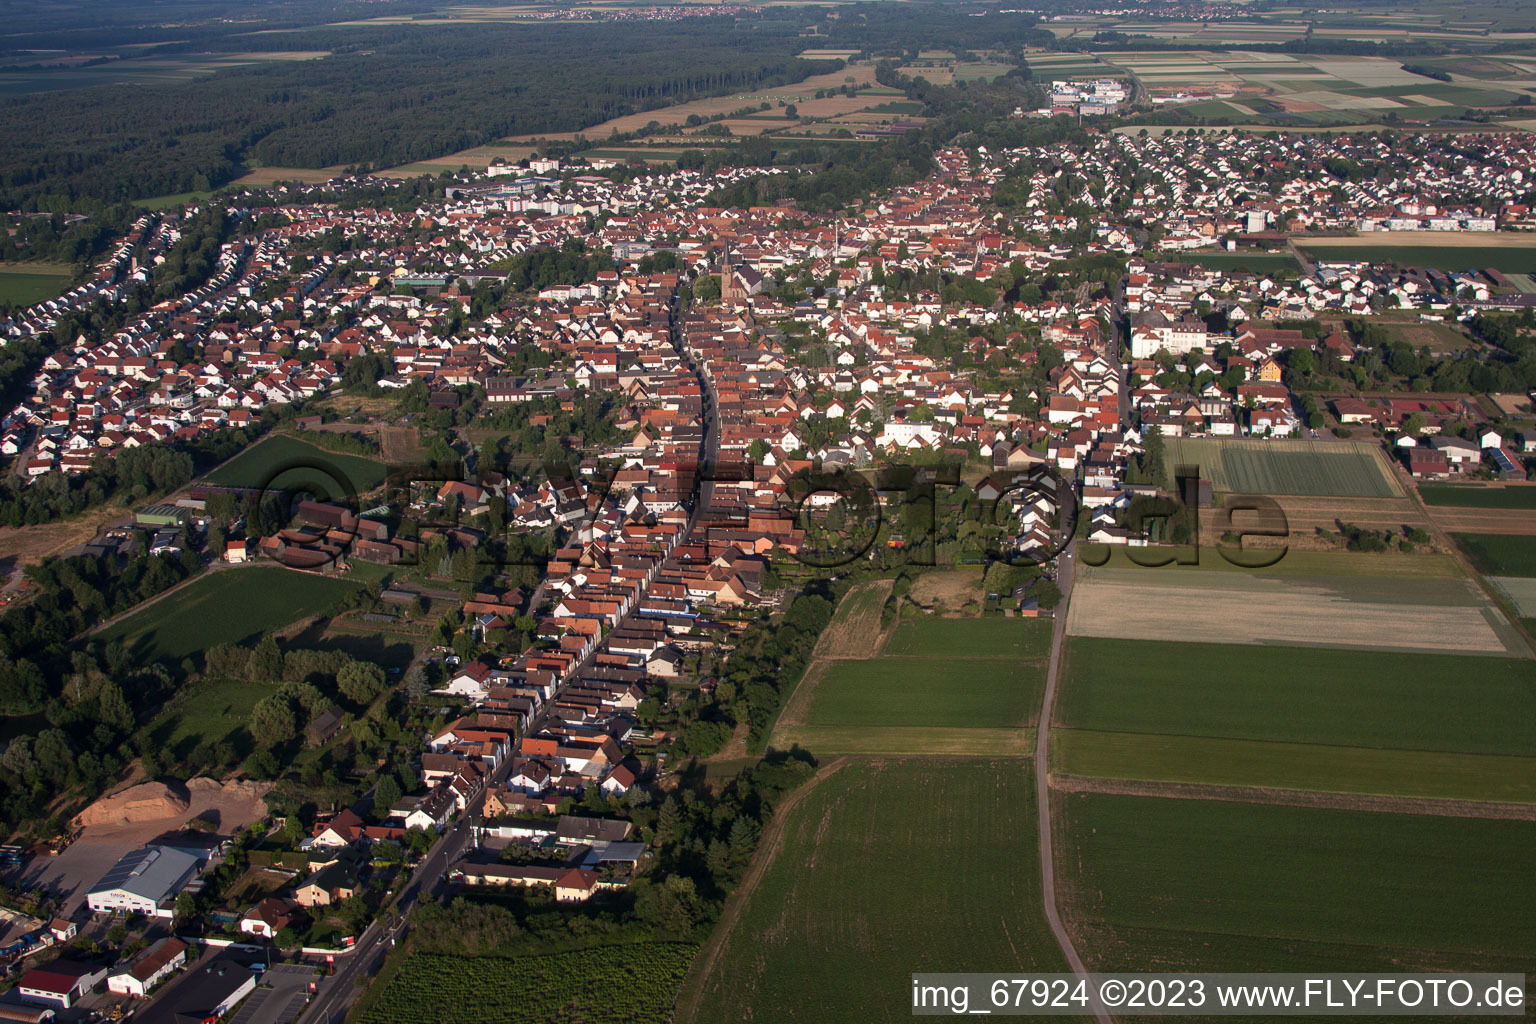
<point>282,462</point>
<point>1441,257</point>
<point>885,868</point>
<point>1497,554</point>
<point>1455,496</point>
<point>629,984</point>
<point>1418,702</point>
<point>1206,885</point>
<point>1316,468</point>
<point>226,606</point>
<point>22,286</point>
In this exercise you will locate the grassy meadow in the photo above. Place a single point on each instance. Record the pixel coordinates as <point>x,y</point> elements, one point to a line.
<point>226,606</point>
<point>283,461</point>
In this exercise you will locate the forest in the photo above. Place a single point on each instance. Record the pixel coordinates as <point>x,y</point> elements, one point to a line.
<point>386,96</point>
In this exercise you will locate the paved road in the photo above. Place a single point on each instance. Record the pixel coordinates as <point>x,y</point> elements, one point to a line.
<point>1065,564</point>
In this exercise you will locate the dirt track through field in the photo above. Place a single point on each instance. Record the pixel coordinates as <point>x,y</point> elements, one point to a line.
<point>1295,798</point>
<point>768,848</point>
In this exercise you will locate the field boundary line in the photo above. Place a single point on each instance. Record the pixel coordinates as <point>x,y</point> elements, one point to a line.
<point>772,841</point>
<point>1427,806</point>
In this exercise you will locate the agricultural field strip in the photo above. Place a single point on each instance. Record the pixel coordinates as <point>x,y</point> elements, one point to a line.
<point>1266,764</point>
<point>835,919</point>
<point>627,984</point>
<point>1205,885</point>
<point>1295,797</point>
<point>1521,591</point>
<point>1239,608</point>
<point>1302,468</point>
<point>906,741</point>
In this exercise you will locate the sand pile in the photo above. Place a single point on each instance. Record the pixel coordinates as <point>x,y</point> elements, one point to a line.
<point>150,801</point>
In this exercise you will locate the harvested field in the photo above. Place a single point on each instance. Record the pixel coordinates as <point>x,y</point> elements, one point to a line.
<point>905,741</point>
<point>261,177</point>
<point>31,544</point>
<point>855,631</point>
<point>1243,608</point>
<point>801,94</point>
<point>947,592</point>
<point>1442,239</point>
<point>1306,515</point>
<point>1318,468</point>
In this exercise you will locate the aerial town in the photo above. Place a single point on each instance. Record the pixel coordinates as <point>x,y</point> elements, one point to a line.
<point>699,390</point>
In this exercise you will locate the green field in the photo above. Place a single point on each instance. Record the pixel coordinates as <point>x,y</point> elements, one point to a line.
<point>885,868</point>
<point>1310,695</point>
<point>632,984</point>
<point>1315,468</point>
<point>1441,257</point>
<point>1478,497</point>
<point>935,637</point>
<point>226,606</point>
<point>23,287</point>
<point>1252,262</point>
<point>1199,760</point>
<point>1498,554</point>
<point>282,461</point>
<point>913,692</point>
<point>1207,885</point>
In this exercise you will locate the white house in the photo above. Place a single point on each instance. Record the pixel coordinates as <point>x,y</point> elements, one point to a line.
<point>153,966</point>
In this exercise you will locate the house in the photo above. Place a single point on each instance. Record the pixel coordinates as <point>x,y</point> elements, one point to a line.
<point>153,966</point>
<point>575,885</point>
<point>234,552</point>
<point>267,918</point>
<point>571,830</point>
<point>342,830</point>
<point>331,884</point>
<point>59,984</point>
<point>63,930</point>
<point>145,881</point>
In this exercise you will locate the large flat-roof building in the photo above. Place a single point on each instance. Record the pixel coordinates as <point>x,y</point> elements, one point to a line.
<point>145,881</point>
